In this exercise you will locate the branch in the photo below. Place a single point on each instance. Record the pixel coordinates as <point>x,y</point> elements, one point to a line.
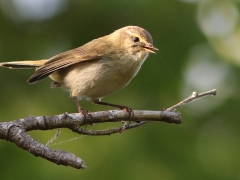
<point>16,131</point>
<point>193,97</point>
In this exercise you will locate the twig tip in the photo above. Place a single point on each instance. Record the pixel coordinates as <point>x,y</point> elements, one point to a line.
<point>214,92</point>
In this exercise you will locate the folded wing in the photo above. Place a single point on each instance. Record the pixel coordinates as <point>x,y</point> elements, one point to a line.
<point>86,52</point>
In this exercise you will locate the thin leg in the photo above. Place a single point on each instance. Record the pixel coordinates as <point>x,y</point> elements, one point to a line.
<point>128,110</point>
<point>80,109</point>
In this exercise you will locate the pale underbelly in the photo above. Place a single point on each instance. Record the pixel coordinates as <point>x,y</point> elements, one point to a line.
<point>95,80</point>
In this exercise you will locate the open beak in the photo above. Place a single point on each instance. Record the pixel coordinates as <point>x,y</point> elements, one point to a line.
<point>150,48</point>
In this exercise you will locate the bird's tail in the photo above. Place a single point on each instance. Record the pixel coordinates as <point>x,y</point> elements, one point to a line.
<point>23,64</point>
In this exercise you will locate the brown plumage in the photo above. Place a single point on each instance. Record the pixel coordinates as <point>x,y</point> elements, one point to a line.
<point>96,69</point>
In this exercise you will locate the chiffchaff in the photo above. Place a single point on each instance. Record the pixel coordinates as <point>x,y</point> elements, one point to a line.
<point>96,69</point>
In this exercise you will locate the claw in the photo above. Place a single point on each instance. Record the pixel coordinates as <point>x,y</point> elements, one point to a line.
<point>81,111</point>
<point>128,111</point>
<point>85,113</point>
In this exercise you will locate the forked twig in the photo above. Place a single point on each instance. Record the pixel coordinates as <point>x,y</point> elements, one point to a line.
<point>193,97</point>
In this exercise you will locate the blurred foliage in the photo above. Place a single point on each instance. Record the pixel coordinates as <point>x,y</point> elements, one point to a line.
<point>198,43</point>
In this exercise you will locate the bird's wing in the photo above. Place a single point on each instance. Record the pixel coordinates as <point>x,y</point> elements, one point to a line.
<point>89,51</point>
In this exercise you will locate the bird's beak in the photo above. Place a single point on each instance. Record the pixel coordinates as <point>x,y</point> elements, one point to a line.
<point>150,48</point>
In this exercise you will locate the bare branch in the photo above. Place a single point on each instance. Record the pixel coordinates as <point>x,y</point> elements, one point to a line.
<point>193,97</point>
<point>16,131</point>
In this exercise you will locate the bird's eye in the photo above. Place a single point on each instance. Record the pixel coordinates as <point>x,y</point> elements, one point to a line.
<point>136,39</point>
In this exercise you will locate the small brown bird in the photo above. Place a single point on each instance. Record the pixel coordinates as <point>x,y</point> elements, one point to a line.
<point>96,69</point>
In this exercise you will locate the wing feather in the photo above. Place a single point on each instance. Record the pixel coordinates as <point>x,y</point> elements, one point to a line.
<point>86,52</point>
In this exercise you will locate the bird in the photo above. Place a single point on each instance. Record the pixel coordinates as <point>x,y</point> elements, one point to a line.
<point>95,69</point>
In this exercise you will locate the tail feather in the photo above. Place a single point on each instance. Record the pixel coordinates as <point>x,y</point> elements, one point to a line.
<point>23,64</point>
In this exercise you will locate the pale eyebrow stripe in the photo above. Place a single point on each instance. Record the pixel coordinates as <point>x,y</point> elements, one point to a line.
<point>129,32</point>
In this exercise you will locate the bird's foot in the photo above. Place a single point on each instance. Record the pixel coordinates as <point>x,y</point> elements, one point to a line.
<point>85,113</point>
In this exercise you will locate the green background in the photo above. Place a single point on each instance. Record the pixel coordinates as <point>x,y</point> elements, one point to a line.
<point>198,43</point>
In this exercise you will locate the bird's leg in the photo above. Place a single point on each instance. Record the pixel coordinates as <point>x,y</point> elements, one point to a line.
<point>80,109</point>
<point>128,110</point>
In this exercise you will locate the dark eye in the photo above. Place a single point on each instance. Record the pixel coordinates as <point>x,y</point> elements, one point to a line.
<point>136,39</point>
